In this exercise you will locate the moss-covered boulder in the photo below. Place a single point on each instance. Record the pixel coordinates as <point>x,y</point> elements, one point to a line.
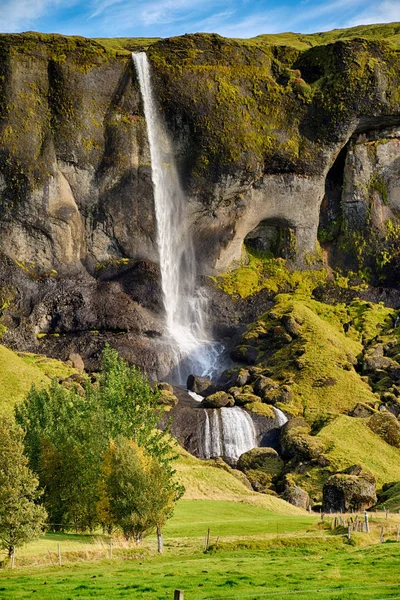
<point>218,400</point>
<point>246,398</point>
<point>261,459</point>
<point>296,441</point>
<point>354,489</point>
<point>296,496</point>
<point>387,426</point>
<point>200,385</point>
<point>167,398</point>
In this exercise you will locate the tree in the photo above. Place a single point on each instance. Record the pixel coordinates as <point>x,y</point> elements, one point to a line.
<point>67,434</point>
<point>140,490</point>
<point>21,518</point>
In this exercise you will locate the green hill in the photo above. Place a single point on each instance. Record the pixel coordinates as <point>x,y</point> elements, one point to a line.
<point>19,371</point>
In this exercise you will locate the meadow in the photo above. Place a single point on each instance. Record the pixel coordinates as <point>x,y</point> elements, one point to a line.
<point>253,553</point>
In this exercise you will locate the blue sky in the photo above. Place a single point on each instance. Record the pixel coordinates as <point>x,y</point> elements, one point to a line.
<point>162,18</point>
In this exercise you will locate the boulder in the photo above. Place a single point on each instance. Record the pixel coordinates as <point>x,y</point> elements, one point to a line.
<point>261,459</point>
<point>218,400</point>
<point>246,354</point>
<point>167,398</point>
<point>362,411</point>
<point>200,385</point>
<point>296,442</point>
<point>353,489</point>
<point>77,361</point>
<point>246,398</point>
<point>163,385</point>
<point>296,496</point>
<point>291,325</point>
<point>387,426</point>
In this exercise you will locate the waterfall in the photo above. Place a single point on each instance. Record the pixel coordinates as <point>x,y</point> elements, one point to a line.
<point>281,417</point>
<point>228,432</point>
<point>185,306</point>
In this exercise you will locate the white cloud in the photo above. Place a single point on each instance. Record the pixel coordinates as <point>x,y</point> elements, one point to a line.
<point>102,6</point>
<point>19,14</point>
<point>384,12</point>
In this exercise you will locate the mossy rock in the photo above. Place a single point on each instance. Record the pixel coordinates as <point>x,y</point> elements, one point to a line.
<point>246,398</point>
<point>297,443</point>
<point>266,460</point>
<point>362,411</point>
<point>163,385</point>
<point>387,426</point>
<point>354,489</point>
<point>218,400</point>
<point>260,480</point>
<point>262,409</point>
<point>297,496</point>
<point>245,354</point>
<point>167,398</point>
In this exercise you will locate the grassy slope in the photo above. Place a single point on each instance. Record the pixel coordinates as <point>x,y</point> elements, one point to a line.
<point>203,481</point>
<point>19,372</point>
<point>16,378</point>
<point>386,31</point>
<point>351,441</point>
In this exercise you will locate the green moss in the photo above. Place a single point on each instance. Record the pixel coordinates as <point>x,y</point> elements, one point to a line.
<point>378,183</point>
<point>261,409</point>
<point>263,272</point>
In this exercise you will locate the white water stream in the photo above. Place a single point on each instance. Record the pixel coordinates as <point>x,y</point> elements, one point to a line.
<point>228,432</point>
<point>185,305</point>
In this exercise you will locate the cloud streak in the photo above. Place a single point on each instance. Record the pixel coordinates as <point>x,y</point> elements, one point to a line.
<point>161,18</point>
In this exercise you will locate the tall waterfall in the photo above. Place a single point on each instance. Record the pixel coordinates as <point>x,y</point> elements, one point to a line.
<point>185,306</point>
<point>228,432</point>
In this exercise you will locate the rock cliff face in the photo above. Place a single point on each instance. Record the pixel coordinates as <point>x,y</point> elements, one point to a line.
<point>265,136</point>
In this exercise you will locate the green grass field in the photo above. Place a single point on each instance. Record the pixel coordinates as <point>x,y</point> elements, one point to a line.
<point>254,553</point>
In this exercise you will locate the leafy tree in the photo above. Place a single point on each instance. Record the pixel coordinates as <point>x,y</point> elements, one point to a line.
<point>64,447</point>
<point>140,490</point>
<point>21,518</point>
<point>67,435</point>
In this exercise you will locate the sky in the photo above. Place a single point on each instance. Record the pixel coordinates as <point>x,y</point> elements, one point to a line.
<point>165,18</point>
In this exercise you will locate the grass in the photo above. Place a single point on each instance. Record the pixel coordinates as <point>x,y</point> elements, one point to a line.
<point>387,31</point>
<point>16,378</point>
<point>19,371</point>
<point>204,481</point>
<point>324,568</point>
<point>352,441</point>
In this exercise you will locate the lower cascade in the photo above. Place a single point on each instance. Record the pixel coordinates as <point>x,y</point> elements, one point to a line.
<point>228,432</point>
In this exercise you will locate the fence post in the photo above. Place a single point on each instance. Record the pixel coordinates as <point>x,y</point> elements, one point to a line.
<point>381,538</point>
<point>13,558</point>
<point>111,548</point>
<point>59,554</point>
<point>179,595</point>
<point>366,522</point>
<point>207,540</point>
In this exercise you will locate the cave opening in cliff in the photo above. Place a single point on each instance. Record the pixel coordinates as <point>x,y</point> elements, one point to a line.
<point>273,237</point>
<point>330,216</point>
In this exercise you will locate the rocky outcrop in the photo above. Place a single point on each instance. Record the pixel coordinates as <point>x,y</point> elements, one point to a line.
<point>354,489</point>
<point>255,145</point>
<point>297,496</point>
<point>387,426</point>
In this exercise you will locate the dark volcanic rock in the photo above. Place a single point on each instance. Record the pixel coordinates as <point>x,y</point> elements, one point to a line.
<point>218,400</point>
<point>200,385</point>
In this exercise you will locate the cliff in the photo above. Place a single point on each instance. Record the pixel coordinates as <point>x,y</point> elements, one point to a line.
<point>276,138</point>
